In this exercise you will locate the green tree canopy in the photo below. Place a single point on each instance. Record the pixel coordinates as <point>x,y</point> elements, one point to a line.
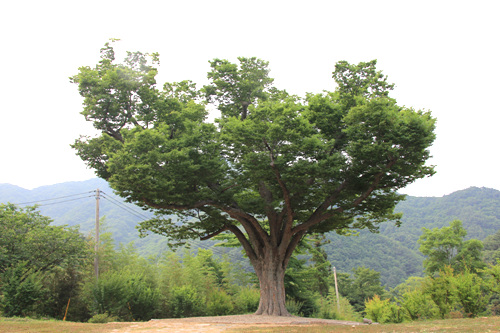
<point>446,247</point>
<point>27,237</point>
<point>358,289</point>
<point>492,248</point>
<point>32,253</point>
<point>274,167</point>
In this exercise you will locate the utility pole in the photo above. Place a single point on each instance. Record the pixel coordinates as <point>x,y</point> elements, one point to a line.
<point>336,289</point>
<point>96,248</point>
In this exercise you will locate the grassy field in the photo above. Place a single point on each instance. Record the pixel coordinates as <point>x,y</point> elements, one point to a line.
<point>482,325</point>
<point>479,325</point>
<point>11,325</point>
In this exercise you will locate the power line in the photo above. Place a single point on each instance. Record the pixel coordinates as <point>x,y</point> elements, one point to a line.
<point>59,202</point>
<point>128,210</point>
<point>57,198</point>
<point>123,206</point>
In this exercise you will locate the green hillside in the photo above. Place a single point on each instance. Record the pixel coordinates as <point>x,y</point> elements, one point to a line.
<point>393,252</point>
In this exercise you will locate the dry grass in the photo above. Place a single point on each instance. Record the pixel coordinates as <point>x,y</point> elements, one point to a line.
<point>11,325</point>
<point>479,325</point>
<point>482,325</point>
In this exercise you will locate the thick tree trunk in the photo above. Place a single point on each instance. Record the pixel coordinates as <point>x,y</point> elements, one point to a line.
<point>271,273</point>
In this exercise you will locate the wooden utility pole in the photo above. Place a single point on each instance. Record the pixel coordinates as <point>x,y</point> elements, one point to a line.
<point>336,289</point>
<point>96,248</point>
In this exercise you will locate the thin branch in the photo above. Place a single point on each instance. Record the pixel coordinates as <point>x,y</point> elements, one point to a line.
<point>213,234</point>
<point>319,215</point>
<point>178,207</point>
<point>266,194</point>
<point>254,230</point>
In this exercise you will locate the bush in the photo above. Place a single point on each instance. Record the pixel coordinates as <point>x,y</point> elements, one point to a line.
<point>471,294</point>
<point>123,295</point>
<point>327,308</point>
<point>186,302</point>
<point>247,300</point>
<point>22,290</point>
<point>219,304</point>
<point>418,305</point>
<point>442,290</point>
<point>107,295</point>
<point>383,311</point>
<point>102,318</point>
<point>142,299</point>
<point>293,306</point>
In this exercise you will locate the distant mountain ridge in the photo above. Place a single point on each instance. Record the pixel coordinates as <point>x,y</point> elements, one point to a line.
<point>393,251</point>
<point>73,203</point>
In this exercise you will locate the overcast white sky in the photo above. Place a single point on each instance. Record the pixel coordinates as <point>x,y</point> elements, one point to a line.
<point>442,55</point>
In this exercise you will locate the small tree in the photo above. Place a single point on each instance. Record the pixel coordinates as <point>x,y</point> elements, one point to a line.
<point>364,285</point>
<point>492,248</point>
<point>35,257</point>
<point>446,246</point>
<point>22,290</point>
<point>471,293</point>
<point>273,168</point>
<point>442,290</point>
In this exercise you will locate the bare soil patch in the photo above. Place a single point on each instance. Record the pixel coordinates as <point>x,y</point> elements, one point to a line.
<point>223,323</point>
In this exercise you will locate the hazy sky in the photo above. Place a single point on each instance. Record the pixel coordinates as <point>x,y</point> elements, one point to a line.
<point>442,55</point>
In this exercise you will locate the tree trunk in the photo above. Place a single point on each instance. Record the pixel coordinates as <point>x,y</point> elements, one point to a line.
<point>271,273</point>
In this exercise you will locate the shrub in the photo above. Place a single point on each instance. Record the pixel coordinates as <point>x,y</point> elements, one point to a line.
<point>383,311</point>
<point>123,295</point>
<point>142,299</point>
<point>102,318</point>
<point>247,300</point>
<point>186,302</point>
<point>293,306</point>
<point>22,291</point>
<point>442,290</point>
<point>219,303</point>
<point>108,295</point>
<point>327,308</point>
<point>418,305</point>
<point>470,293</point>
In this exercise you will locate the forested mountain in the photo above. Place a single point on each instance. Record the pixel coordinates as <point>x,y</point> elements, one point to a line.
<point>393,252</point>
<point>74,203</point>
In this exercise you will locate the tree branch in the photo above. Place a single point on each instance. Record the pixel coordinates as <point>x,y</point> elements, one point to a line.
<point>319,214</point>
<point>286,194</point>
<point>244,242</point>
<point>213,234</point>
<point>256,234</point>
<point>270,212</point>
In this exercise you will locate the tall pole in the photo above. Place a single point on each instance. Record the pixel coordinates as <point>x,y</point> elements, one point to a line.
<point>96,249</point>
<point>336,289</point>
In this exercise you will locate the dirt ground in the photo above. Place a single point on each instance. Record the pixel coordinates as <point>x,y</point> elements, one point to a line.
<point>221,324</point>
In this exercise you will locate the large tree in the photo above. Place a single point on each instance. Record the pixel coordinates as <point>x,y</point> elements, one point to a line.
<point>273,167</point>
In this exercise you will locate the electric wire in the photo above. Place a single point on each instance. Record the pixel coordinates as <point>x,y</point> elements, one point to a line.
<point>57,198</point>
<point>121,205</point>
<point>59,202</point>
<point>143,218</point>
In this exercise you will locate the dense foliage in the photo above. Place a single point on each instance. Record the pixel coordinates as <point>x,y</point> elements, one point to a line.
<point>195,283</point>
<point>39,263</point>
<point>393,252</point>
<point>446,247</point>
